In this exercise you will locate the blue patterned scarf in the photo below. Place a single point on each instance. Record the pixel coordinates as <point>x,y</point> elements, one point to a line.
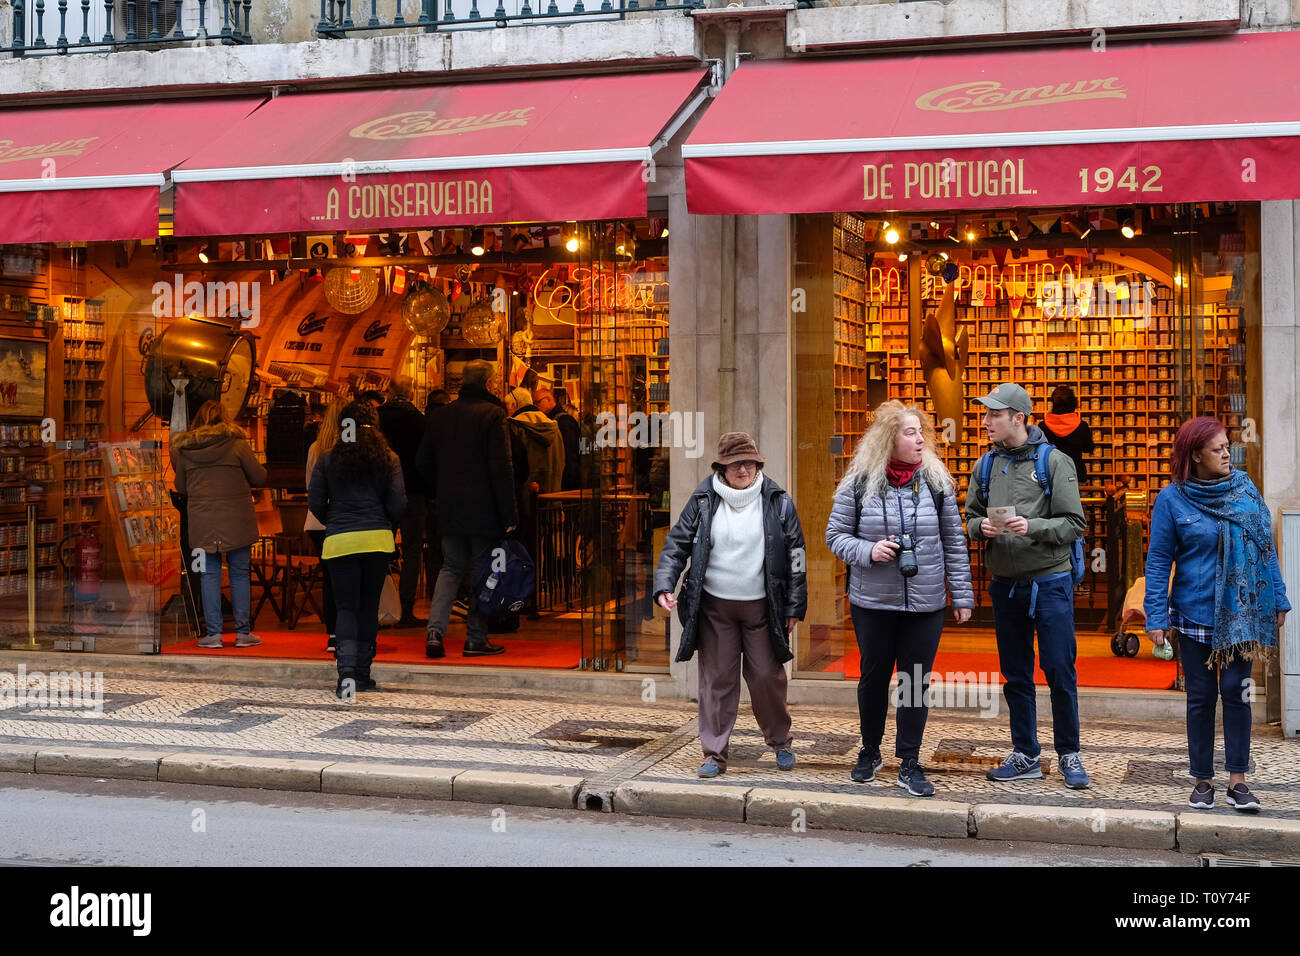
<point>1245,613</point>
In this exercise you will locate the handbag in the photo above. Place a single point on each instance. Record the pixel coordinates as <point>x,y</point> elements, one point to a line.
<point>390,603</point>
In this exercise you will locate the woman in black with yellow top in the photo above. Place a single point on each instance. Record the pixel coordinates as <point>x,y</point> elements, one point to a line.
<point>357,491</point>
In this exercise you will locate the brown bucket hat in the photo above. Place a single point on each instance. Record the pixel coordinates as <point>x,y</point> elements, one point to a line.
<point>737,446</point>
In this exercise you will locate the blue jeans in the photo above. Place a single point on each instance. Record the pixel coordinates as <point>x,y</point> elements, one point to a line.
<point>241,591</point>
<point>1054,621</point>
<point>1204,687</point>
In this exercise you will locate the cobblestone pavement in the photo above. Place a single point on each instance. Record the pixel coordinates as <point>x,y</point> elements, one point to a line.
<point>611,740</point>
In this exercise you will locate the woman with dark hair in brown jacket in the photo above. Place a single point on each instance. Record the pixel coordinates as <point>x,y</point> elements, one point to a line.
<point>216,471</point>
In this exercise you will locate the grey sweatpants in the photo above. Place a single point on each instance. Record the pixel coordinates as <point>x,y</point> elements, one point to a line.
<point>728,630</point>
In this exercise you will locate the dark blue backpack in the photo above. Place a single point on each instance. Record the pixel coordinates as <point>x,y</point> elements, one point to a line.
<point>1044,478</point>
<point>504,579</point>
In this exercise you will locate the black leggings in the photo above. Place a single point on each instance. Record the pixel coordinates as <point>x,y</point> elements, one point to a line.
<point>327,586</point>
<point>909,639</point>
<point>358,581</point>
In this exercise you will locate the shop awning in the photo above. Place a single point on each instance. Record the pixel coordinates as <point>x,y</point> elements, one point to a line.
<point>92,173</point>
<point>1181,121</point>
<point>507,151</point>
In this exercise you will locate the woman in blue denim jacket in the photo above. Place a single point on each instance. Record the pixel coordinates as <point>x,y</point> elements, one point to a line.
<point>1227,602</point>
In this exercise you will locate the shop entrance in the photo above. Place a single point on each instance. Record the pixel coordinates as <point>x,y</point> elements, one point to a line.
<point>1138,317</point>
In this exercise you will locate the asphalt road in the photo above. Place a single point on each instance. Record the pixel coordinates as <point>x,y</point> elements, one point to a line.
<point>80,821</point>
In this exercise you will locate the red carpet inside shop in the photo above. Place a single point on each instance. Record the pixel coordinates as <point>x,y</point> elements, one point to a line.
<point>398,647</point>
<point>1124,672</point>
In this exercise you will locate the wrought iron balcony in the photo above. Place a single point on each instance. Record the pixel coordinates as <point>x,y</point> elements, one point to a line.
<point>337,18</point>
<point>49,26</point>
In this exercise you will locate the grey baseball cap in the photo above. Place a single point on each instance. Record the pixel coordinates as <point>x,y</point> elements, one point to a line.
<point>1008,395</point>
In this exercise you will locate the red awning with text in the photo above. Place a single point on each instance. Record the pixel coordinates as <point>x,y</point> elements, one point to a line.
<point>529,150</point>
<point>92,173</point>
<point>1094,123</point>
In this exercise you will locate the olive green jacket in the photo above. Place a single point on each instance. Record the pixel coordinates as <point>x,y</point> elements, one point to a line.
<point>1054,522</point>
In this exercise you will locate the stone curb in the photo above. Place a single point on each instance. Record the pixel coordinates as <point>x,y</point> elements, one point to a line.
<point>1212,831</point>
<point>910,816</point>
<point>1078,826</point>
<point>1191,833</point>
<point>516,789</point>
<point>134,764</point>
<point>700,801</point>
<point>388,780</point>
<point>17,758</point>
<point>266,773</point>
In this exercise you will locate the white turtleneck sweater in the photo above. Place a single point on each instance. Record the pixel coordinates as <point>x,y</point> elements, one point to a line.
<point>735,570</point>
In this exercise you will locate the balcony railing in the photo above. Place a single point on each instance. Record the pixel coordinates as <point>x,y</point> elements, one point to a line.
<point>337,18</point>
<point>81,26</point>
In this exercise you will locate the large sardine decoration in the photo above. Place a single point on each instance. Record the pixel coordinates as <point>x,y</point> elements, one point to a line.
<point>943,358</point>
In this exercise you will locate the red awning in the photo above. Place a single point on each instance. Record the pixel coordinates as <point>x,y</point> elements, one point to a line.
<point>571,148</point>
<point>1186,121</point>
<point>92,173</point>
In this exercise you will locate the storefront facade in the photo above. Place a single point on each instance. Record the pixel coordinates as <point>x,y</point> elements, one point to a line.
<point>761,337</point>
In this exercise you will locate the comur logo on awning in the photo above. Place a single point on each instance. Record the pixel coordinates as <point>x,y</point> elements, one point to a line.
<point>418,123</point>
<point>986,95</point>
<point>9,153</point>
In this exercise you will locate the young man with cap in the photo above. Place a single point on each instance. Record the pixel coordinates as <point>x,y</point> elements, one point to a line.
<point>1032,586</point>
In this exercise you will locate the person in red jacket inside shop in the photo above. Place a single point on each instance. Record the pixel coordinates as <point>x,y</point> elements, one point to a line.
<point>1065,429</point>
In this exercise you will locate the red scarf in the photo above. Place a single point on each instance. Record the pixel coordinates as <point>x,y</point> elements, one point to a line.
<point>900,473</point>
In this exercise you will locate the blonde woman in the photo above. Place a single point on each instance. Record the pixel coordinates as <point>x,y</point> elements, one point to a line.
<point>327,436</point>
<point>216,470</point>
<point>896,525</point>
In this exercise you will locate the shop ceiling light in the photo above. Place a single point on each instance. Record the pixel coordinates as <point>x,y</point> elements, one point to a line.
<point>664,233</point>
<point>209,251</point>
<point>902,257</point>
<point>891,236</point>
<point>1126,220</point>
<point>476,242</point>
<point>970,236</point>
<point>1015,236</point>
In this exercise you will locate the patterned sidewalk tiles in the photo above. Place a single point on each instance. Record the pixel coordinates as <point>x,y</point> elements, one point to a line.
<point>609,741</point>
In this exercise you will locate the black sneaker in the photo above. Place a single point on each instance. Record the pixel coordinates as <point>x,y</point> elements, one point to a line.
<point>869,761</point>
<point>365,684</point>
<point>410,620</point>
<point>911,779</point>
<point>1202,797</point>
<point>1240,798</point>
<point>486,649</point>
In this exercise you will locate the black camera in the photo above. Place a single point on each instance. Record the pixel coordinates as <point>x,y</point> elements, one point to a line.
<point>906,555</point>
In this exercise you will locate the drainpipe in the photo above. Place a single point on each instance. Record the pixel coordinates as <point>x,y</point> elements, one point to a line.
<point>727,289</point>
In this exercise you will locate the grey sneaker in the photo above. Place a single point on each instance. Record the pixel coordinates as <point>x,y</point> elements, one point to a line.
<point>247,640</point>
<point>1017,766</point>
<point>784,759</point>
<point>1240,798</point>
<point>1202,797</point>
<point>1076,778</point>
<point>212,641</point>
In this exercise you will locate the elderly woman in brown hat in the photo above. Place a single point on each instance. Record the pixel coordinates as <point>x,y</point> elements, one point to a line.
<point>745,590</point>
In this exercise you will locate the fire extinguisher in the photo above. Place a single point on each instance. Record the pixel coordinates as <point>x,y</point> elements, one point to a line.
<point>88,564</point>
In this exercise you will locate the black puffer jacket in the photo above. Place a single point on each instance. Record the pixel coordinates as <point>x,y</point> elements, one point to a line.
<point>690,537</point>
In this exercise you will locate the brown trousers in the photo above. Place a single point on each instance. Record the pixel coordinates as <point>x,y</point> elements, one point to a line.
<point>728,630</point>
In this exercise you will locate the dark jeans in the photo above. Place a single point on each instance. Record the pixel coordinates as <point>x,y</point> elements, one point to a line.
<point>412,540</point>
<point>1204,685</point>
<point>909,639</point>
<point>358,581</point>
<point>460,553</point>
<point>433,553</point>
<point>1054,621</point>
<point>327,586</point>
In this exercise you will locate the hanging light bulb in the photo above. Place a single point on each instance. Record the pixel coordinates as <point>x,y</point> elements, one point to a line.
<point>476,242</point>
<point>891,236</point>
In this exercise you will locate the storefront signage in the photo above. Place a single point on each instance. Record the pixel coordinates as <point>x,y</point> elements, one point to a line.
<point>946,179</point>
<point>422,199</point>
<point>984,95</point>
<point>309,326</point>
<point>419,123</point>
<point>373,333</point>
<point>9,153</point>
<point>590,287</point>
<point>1055,289</point>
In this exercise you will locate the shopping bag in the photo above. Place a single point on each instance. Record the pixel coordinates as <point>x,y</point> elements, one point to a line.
<point>390,603</point>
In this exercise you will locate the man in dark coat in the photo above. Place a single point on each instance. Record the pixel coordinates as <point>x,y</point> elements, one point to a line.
<point>465,460</point>
<point>404,426</point>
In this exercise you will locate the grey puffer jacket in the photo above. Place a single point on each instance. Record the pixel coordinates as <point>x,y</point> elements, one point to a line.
<point>940,549</point>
